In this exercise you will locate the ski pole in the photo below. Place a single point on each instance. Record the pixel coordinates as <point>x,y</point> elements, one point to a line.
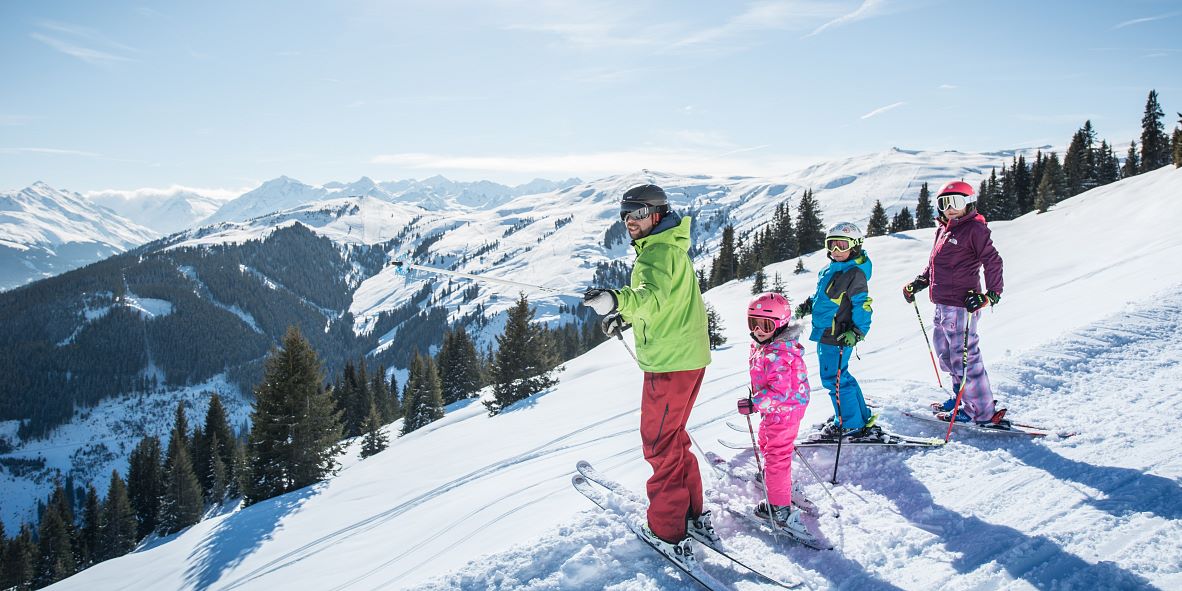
<point>746,407</point>
<point>821,481</point>
<point>929,342</point>
<point>401,265</point>
<point>840,420</point>
<point>964,380</point>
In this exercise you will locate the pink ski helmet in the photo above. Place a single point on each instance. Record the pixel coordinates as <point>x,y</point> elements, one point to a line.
<point>956,194</point>
<point>769,311</point>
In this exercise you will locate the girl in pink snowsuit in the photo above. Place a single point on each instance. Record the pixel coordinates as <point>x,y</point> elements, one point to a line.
<point>780,391</point>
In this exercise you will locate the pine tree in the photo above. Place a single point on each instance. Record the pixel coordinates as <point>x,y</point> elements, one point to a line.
<point>714,327</point>
<point>902,222</point>
<point>423,400</point>
<point>182,503</point>
<point>1178,143</point>
<point>810,229</point>
<point>726,265</point>
<point>218,475</point>
<point>925,216</point>
<point>758,285</point>
<point>55,551</point>
<point>523,364</point>
<point>119,522</point>
<point>375,439</point>
<point>89,535</point>
<point>879,223</point>
<point>1107,165</point>
<point>459,366</point>
<point>239,472</point>
<point>1132,165</point>
<point>1045,197</point>
<point>799,267</point>
<point>784,244</point>
<point>1023,198</point>
<point>145,484</point>
<point>1054,170</point>
<point>380,389</point>
<point>217,440</point>
<point>18,561</point>
<point>294,441</point>
<point>1155,145</point>
<point>1079,163</point>
<point>778,283</point>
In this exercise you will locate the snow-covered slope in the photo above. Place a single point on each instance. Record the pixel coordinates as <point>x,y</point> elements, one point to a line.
<point>45,231</point>
<point>1083,339</point>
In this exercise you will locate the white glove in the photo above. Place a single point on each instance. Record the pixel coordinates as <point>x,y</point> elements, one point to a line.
<point>603,301</point>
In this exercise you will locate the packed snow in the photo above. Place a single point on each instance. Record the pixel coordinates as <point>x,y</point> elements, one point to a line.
<point>1084,339</point>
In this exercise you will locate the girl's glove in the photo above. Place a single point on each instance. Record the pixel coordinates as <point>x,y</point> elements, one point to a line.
<point>919,284</point>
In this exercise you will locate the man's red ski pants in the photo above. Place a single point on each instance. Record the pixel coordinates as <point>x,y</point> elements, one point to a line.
<point>675,489</point>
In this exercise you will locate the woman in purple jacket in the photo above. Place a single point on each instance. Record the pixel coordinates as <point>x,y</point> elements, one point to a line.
<point>963,246</point>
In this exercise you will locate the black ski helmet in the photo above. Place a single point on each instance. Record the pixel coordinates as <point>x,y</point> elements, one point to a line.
<point>648,198</point>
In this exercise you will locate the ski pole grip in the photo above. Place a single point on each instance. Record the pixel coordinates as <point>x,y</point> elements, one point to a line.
<point>746,406</point>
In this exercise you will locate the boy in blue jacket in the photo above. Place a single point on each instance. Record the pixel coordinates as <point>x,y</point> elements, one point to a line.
<point>841,318</point>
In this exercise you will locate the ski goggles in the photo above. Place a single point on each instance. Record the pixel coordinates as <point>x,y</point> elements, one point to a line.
<point>950,201</point>
<point>766,325</point>
<point>641,211</point>
<point>839,244</point>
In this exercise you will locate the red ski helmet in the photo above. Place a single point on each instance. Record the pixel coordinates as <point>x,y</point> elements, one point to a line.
<point>958,188</point>
<point>769,306</point>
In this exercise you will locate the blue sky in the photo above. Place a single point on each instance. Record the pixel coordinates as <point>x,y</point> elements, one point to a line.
<point>223,95</point>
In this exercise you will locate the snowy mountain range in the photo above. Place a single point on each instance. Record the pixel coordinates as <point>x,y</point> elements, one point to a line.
<point>45,231</point>
<point>478,502</point>
<point>556,239</point>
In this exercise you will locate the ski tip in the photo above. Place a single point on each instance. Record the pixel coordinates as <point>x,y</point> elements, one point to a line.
<point>583,464</point>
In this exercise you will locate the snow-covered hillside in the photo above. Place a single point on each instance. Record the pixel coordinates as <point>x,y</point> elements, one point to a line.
<point>163,210</point>
<point>1084,338</point>
<point>46,231</point>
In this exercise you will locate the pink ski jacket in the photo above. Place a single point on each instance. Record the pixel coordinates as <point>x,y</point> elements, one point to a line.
<point>779,378</point>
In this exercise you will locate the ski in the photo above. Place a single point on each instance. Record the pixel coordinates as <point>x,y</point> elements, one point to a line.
<point>724,469</point>
<point>815,543</point>
<point>599,498</point>
<point>589,474</point>
<point>816,440</point>
<point>1006,428</point>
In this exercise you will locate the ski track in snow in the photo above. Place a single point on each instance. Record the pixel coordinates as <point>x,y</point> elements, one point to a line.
<point>952,526</point>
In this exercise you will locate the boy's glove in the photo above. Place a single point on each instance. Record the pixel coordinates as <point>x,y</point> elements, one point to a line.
<point>603,301</point>
<point>974,300</point>
<point>921,283</point>
<point>613,324</point>
<point>849,338</point>
<point>804,309</point>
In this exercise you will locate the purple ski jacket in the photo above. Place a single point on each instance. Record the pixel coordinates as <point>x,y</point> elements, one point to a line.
<point>962,247</point>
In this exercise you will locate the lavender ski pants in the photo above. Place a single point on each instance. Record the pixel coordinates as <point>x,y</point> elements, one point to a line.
<point>948,337</point>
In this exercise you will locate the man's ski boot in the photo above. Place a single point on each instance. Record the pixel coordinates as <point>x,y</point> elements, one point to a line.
<point>701,528</point>
<point>682,552</point>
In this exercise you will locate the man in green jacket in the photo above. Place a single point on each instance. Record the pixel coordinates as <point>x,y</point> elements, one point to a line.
<point>664,306</point>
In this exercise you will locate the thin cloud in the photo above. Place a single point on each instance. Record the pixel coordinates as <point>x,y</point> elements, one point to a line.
<point>52,151</point>
<point>882,110</point>
<point>760,16</point>
<point>14,120</point>
<point>79,42</point>
<point>1148,19</point>
<point>868,9</point>
<point>948,87</point>
<point>150,193</point>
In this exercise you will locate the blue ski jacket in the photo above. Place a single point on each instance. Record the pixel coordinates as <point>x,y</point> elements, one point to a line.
<point>842,301</point>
